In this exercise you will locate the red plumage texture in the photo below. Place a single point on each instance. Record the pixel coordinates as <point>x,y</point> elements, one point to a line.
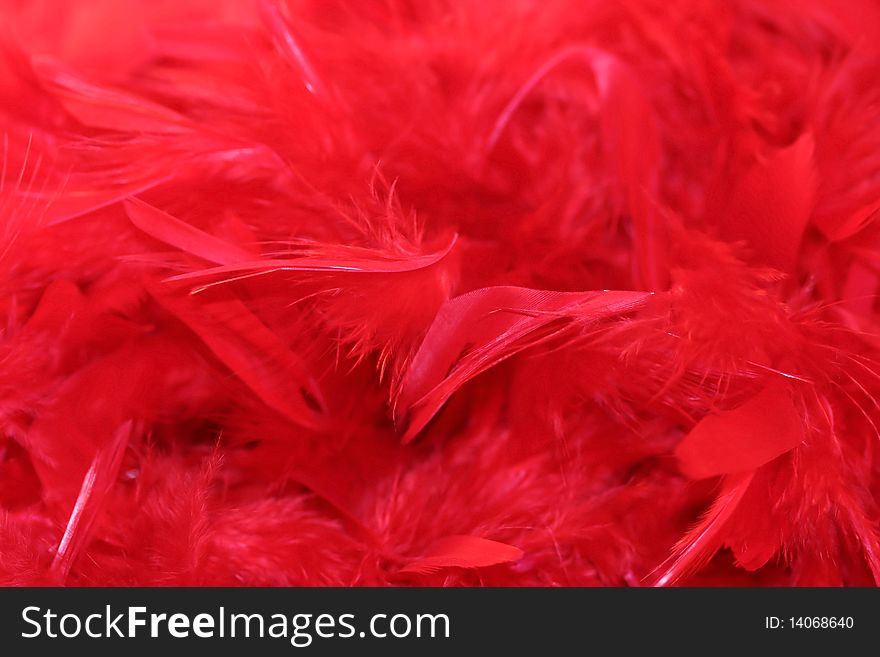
<point>439,292</point>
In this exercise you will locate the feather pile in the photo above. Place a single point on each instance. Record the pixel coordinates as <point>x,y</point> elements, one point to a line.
<point>439,292</point>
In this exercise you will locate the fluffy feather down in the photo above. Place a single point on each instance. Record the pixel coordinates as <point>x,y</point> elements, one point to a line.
<point>300,292</point>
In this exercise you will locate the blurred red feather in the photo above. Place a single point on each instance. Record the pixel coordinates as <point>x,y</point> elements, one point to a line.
<point>471,292</point>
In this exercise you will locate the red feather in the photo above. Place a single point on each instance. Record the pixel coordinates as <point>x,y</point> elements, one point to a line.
<point>463,552</point>
<point>744,438</point>
<point>450,292</point>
